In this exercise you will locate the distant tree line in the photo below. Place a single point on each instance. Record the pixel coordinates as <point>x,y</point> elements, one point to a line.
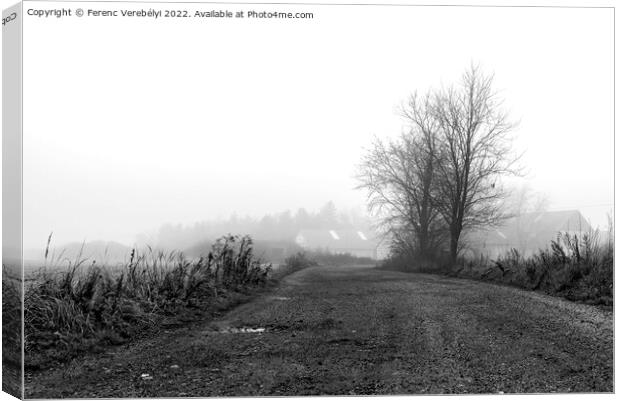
<point>443,176</point>
<point>282,226</point>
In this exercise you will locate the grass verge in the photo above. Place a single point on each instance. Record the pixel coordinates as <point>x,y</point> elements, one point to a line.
<point>578,268</point>
<point>83,308</point>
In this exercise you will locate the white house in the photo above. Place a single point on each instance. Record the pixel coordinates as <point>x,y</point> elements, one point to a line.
<point>340,241</point>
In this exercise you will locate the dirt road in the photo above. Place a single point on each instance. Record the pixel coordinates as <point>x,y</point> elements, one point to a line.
<point>357,330</point>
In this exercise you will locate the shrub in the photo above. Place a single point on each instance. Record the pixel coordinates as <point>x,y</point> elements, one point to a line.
<point>328,258</point>
<point>298,261</point>
<point>407,263</point>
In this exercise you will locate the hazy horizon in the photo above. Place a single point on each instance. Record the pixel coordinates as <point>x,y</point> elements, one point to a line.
<point>258,122</point>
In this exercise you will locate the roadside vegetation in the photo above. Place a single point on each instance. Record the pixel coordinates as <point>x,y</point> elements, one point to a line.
<point>297,262</point>
<point>578,268</point>
<point>304,259</point>
<point>81,308</point>
<point>11,332</point>
<point>340,259</point>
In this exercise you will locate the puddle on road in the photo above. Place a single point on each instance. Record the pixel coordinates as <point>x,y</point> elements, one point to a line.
<point>235,330</point>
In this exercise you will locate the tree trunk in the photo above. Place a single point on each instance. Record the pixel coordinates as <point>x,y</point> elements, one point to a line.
<point>455,233</point>
<point>453,250</point>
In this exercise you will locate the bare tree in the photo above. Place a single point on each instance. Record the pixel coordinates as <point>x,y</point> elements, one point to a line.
<point>398,176</point>
<point>524,199</point>
<point>419,148</point>
<point>475,150</point>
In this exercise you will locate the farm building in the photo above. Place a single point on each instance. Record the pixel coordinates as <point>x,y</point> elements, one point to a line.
<point>526,233</point>
<point>354,242</point>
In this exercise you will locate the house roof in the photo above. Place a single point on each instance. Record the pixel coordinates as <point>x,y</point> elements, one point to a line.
<point>565,220</point>
<point>336,239</point>
<point>532,227</point>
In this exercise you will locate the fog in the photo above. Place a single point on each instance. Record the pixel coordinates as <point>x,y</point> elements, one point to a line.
<point>146,124</point>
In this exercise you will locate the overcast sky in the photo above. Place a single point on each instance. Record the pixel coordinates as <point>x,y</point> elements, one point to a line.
<point>132,123</point>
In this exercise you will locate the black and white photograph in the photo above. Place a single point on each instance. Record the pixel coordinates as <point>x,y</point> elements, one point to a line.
<point>239,199</point>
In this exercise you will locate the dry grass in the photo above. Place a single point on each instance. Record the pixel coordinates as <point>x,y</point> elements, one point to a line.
<point>11,332</point>
<point>81,307</point>
<point>579,268</point>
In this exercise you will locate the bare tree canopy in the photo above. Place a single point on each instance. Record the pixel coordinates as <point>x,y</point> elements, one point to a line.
<point>475,151</point>
<point>398,176</point>
<point>443,176</point>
